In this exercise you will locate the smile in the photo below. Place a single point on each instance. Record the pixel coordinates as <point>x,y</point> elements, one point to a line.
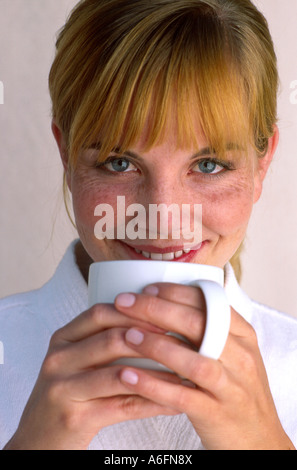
<point>165,254</point>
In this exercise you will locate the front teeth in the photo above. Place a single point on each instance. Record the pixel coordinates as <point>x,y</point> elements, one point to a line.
<point>163,256</point>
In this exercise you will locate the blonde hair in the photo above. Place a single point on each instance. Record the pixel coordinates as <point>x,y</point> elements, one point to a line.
<point>122,63</point>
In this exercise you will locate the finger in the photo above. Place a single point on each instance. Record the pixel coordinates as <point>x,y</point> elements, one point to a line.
<point>174,396</point>
<point>92,321</point>
<point>185,295</point>
<point>170,316</point>
<point>94,351</point>
<point>193,296</point>
<point>206,373</point>
<point>102,400</point>
<point>104,383</point>
<point>114,410</point>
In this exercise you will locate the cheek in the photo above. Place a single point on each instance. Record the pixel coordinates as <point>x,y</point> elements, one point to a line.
<point>228,209</point>
<point>85,197</point>
<point>88,193</point>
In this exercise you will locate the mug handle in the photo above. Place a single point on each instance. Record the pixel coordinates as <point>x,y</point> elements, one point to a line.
<point>218,319</point>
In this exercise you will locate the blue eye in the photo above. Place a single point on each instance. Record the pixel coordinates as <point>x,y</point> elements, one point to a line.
<point>118,165</point>
<point>210,167</point>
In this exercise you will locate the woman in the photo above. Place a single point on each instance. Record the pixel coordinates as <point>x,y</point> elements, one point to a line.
<point>161,102</point>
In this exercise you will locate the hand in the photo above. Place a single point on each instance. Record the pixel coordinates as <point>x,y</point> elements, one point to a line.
<point>228,401</point>
<point>77,392</point>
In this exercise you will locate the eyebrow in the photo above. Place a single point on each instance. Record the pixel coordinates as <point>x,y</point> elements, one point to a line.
<point>129,153</point>
<point>204,152</point>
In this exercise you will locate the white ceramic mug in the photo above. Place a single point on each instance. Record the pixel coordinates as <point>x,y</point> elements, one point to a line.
<point>107,279</point>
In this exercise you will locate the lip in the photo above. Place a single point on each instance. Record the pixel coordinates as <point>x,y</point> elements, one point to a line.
<point>186,257</point>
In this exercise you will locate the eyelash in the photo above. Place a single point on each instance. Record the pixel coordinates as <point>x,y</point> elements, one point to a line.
<point>225,165</point>
<point>102,165</point>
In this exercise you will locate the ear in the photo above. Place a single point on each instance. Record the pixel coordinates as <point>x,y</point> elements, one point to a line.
<point>263,164</point>
<point>59,137</point>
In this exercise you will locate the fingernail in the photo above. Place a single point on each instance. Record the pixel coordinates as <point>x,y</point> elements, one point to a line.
<point>151,290</point>
<point>134,336</point>
<point>125,300</point>
<point>129,377</point>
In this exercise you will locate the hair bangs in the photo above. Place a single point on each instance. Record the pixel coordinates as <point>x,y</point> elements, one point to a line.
<point>182,74</point>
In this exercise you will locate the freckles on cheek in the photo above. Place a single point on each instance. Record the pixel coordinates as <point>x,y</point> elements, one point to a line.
<point>229,209</point>
<point>88,194</point>
<point>84,199</point>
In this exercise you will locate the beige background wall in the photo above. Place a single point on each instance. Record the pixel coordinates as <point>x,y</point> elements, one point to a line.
<point>34,227</point>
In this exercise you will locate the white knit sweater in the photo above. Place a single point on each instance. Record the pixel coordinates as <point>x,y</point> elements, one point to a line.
<point>28,320</point>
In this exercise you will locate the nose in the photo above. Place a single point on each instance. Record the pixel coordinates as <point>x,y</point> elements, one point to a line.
<point>164,189</point>
<point>170,212</point>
